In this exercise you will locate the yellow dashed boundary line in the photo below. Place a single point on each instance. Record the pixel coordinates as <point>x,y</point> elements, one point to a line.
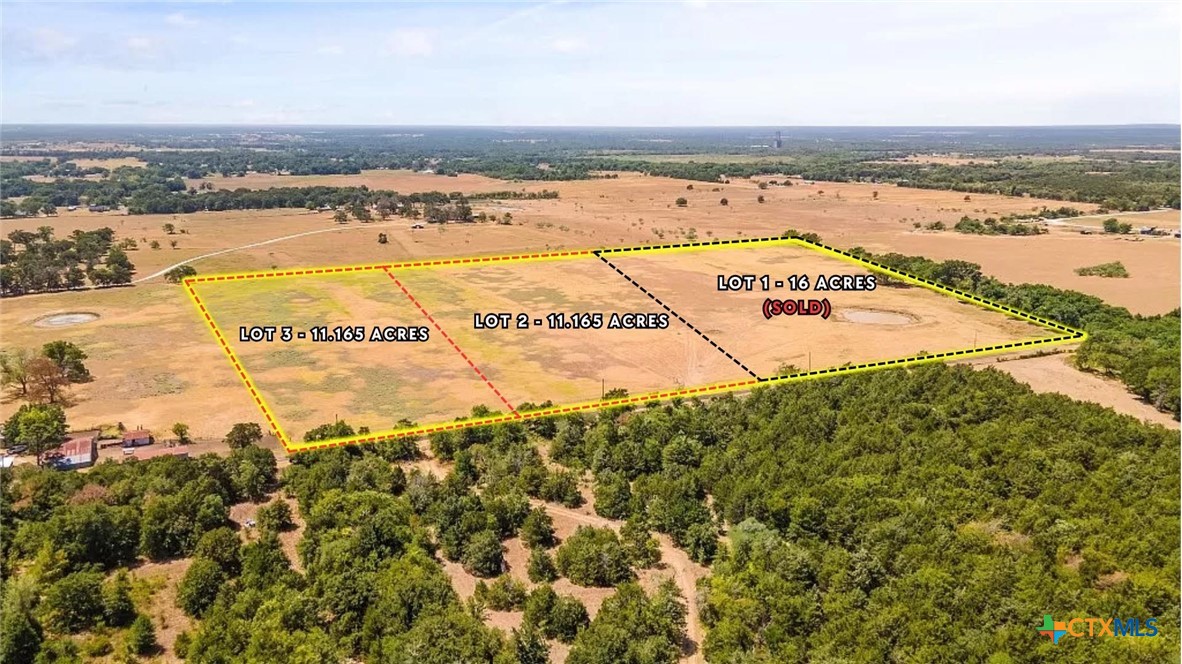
<point>1068,334</point>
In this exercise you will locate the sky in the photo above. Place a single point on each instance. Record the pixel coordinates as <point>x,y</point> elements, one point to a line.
<point>575,64</point>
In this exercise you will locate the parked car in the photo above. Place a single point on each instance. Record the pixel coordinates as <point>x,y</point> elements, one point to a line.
<point>18,449</point>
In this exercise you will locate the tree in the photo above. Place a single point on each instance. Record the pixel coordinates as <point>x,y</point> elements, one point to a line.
<point>382,239</point>
<point>724,202</point>
<point>541,567</point>
<point>483,556</point>
<point>181,431</point>
<point>643,549</point>
<point>47,383</point>
<point>20,633</point>
<point>1111,225</point>
<point>120,266</point>
<point>528,647</point>
<point>118,609</point>
<point>172,243</point>
<point>275,516</point>
<point>179,273</point>
<point>568,618</point>
<point>613,496</point>
<point>759,199</point>
<point>243,434</point>
<point>73,603</point>
<point>681,202</point>
<point>222,546</point>
<point>538,529</point>
<point>14,370</point>
<point>594,557</point>
<point>40,426</point>
<point>154,244</point>
<point>341,217</point>
<point>199,587</point>
<point>141,637</point>
<point>169,229</point>
<point>630,627</point>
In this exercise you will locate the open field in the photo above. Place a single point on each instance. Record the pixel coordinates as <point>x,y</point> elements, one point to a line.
<point>1054,373</point>
<point>151,357</point>
<point>637,209</point>
<point>155,363</point>
<point>708,337</point>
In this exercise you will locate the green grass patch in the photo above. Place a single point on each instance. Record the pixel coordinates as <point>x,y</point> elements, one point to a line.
<point>1113,270</point>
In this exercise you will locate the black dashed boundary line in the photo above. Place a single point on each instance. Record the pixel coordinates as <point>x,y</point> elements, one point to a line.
<point>679,317</point>
<point>865,261</point>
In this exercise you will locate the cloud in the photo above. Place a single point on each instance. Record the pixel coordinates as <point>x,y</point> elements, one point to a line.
<point>411,42</point>
<point>569,45</point>
<point>40,44</point>
<point>330,49</point>
<point>140,45</point>
<point>179,19</point>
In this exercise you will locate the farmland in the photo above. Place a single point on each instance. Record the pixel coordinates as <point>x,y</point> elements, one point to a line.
<point>706,337</point>
<point>148,330</point>
<point>699,471</point>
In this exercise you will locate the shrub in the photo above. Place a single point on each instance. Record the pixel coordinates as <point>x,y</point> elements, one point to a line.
<point>562,487</point>
<point>504,594</point>
<point>1115,269</point>
<point>541,567</point>
<point>73,603</point>
<point>118,609</point>
<point>141,637</point>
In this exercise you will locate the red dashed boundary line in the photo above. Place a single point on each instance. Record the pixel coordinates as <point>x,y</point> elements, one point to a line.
<point>454,345</point>
<point>217,333</point>
<point>1073,336</point>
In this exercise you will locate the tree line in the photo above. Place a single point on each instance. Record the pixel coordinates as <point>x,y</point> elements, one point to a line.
<point>1143,352</point>
<point>34,262</point>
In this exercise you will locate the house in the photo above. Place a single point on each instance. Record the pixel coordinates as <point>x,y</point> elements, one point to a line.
<point>137,438</point>
<point>79,451</point>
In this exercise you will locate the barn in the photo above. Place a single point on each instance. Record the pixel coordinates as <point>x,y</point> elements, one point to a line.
<point>137,438</point>
<point>79,451</point>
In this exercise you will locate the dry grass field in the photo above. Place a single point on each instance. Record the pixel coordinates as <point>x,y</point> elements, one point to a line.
<point>155,363</point>
<point>377,384</point>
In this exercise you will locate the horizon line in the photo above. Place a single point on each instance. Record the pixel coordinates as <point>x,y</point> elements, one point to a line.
<point>577,126</point>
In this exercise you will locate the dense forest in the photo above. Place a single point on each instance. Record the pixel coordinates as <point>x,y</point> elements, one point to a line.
<point>926,514</point>
<point>37,262</point>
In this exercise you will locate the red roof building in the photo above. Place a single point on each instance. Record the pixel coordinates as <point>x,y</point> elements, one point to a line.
<point>137,438</point>
<point>79,451</point>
